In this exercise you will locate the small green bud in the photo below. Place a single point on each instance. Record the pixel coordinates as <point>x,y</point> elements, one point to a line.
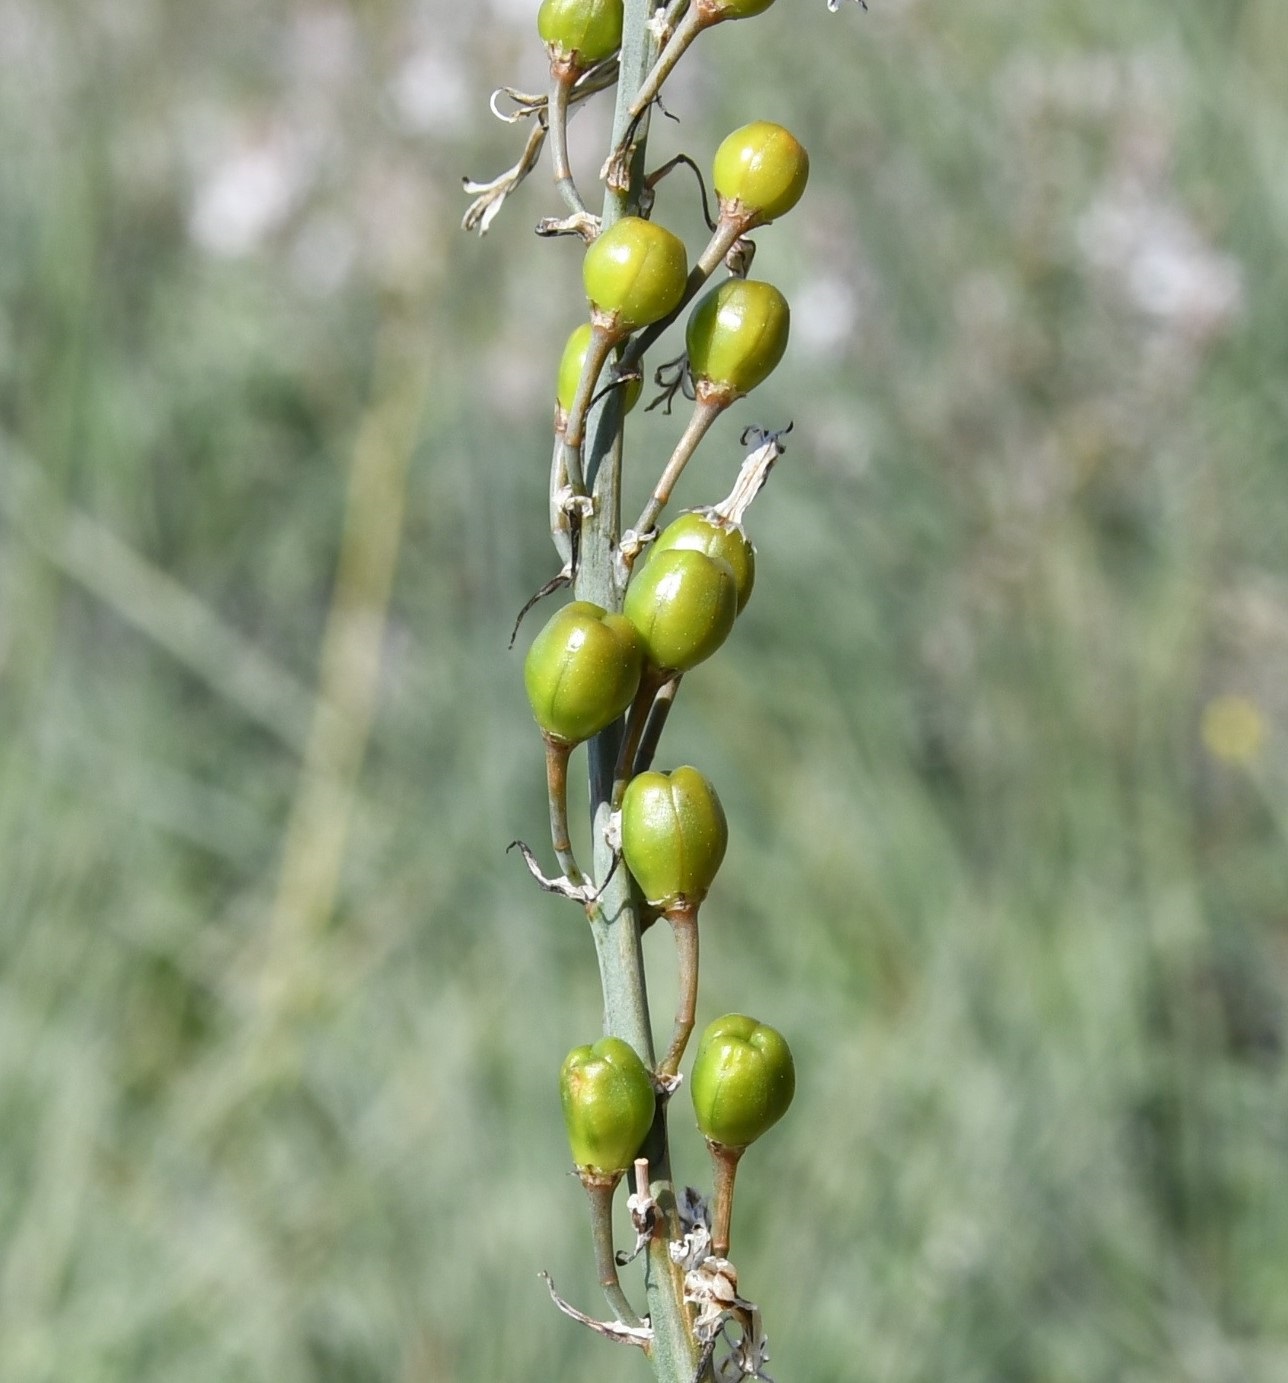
<point>674,835</point>
<point>582,671</point>
<point>608,1101</point>
<point>684,604</point>
<point>743,1080</point>
<point>737,335</point>
<point>586,31</point>
<point>635,272</point>
<point>570,367</point>
<point>706,532</point>
<point>760,172</point>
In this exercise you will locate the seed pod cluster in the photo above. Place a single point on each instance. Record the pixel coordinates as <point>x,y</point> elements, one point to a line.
<point>662,606</point>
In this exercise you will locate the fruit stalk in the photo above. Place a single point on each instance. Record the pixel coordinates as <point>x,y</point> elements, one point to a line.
<point>561,85</point>
<point>601,345</point>
<point>657,718</point>
<point>599,1192</point>
<point>636,724</point>
<point>705,412</point>
<point>684,927</point>
<point>724,1172</point>
<point>690,26</point>
<point>557,756</point>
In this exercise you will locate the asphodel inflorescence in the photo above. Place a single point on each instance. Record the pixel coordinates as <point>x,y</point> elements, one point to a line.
<point>649,608</point>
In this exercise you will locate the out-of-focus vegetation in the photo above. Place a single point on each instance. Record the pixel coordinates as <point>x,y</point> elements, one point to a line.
<point>1000,736</point>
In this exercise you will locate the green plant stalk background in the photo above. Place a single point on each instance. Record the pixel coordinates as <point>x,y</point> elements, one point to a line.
<point>1022,924</point>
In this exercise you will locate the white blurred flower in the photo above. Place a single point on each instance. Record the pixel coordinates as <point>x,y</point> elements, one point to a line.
<point>1156,255</point>
<point>248,193</point>
<point>322,45</point>
<point>824,315</point>
<point>430,93</point>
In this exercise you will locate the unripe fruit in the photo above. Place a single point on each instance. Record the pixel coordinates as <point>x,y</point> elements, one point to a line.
<point>703,531</point>
<point>683,603</point>
<point>608,1101</point>
<point>635,272</point>
<point>760,172</point>
<point>589,29</point>
<point>743,1080</point>
<point>582,671</point>
<point>737,335</point>
<point>674,836</point>
<point>570,367</point>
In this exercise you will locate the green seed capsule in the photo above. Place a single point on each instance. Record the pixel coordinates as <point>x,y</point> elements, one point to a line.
<point>582,671</point>
<point>585,30</point>
<point>760,172</point>
<point>608,1101</point>
<point>684,604</point>
<point>570,367</point>
<point>635,272</point>
<point>743,1080</point>
<point>703,531</point>
<point>737,335</point>
<point>674,836</point>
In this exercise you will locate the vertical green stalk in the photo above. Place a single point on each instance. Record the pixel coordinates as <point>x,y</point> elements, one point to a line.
<point>616,926</point>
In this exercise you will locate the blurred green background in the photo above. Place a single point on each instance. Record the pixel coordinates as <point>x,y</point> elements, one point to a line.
<point>1000,737</point>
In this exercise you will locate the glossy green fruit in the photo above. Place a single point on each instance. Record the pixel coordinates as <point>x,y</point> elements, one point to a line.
<point>674,835</point>
<point>684,604</point>
<point>743,1080</point>
<point>737,334</point>
<point>589,29</point>
<point>582,671</point>
<point>635,272</point>
<point>570,366</point>
<point>705,532</point>
<point>608,1102</point>
<point>760,171</point>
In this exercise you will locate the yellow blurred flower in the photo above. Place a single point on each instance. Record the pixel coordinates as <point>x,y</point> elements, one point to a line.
<point>1233,728</point>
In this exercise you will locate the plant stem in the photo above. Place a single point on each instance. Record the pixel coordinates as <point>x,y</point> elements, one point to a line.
<point>597,353</point>
<point>637,717</point>
<point>705,412</point>
<point>557,756</point>
<point>615,925</point>
<point>600,1195</point>
<point>724,1170</point>
<point>684,926</point>
<point>560,524</point>
<point>683,35</point>
<point>561,84</point>
<point>657,719</point>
